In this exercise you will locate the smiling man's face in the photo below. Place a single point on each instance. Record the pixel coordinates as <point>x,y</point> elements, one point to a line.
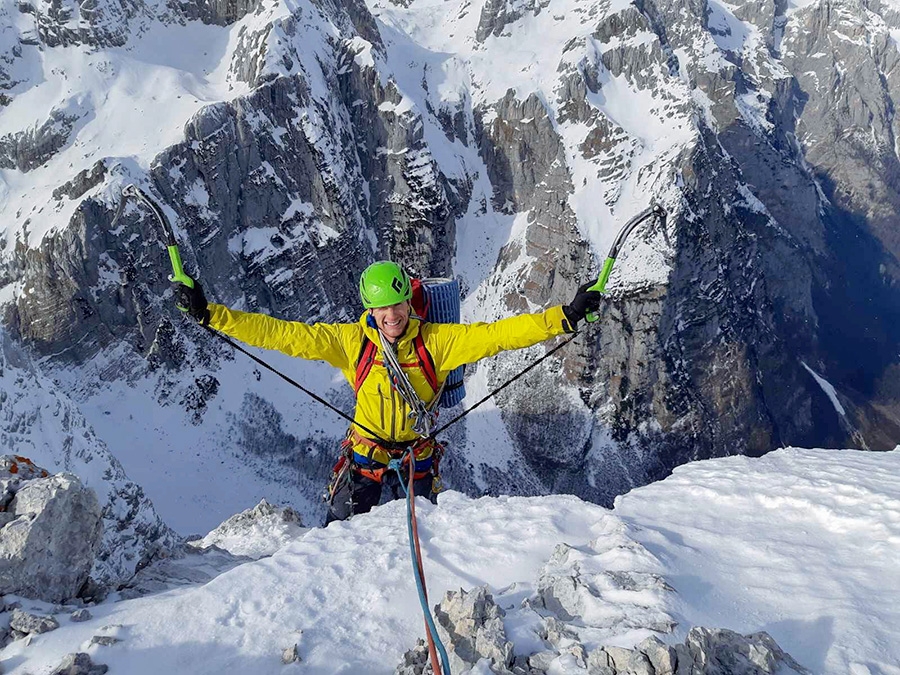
<point>392,320</point>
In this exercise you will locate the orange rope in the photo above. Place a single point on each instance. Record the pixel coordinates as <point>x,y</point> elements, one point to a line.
<point>432,650</point>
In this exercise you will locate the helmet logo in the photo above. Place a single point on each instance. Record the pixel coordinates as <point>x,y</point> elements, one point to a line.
<point>397,285</point>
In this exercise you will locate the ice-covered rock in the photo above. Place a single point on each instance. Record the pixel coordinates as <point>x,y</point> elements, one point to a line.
<point>48,548</point>
<point>255,533</point>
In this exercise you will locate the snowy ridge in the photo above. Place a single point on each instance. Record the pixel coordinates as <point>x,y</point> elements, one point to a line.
<point>125,102</point>
<point>717,544</point>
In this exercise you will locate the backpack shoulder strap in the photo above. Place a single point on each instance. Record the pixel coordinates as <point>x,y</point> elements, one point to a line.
<point>364,362</point>
<point>426,363</point>
<point>368,351</point>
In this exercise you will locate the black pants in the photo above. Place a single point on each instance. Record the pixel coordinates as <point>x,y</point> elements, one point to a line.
<point>359,494</point>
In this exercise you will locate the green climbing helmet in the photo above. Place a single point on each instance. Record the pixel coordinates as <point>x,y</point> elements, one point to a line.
<point>384,283</point>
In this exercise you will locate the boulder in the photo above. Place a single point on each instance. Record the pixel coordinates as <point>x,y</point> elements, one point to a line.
<point>414,660</point>
<point>290,655</point>
<point>79,664</point>
<point>47,549</point>
<point>661,655</point>
<point>105,640</point>
<point>719,651</point>
<point>81,615</point>
<point>30,624</point>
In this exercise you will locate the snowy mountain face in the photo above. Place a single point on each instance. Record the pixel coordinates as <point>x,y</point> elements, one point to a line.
<point>38,421</point>
<point>502,142</point>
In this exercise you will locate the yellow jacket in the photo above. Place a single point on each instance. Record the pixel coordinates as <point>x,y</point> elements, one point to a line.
<point>378,406</point>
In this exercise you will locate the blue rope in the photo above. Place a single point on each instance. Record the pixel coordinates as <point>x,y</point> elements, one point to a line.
<point>396,464</point>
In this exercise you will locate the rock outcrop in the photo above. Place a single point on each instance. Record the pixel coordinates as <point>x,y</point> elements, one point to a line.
<point>47,548</point>
<point>471,627</point>
<point>254,533</point>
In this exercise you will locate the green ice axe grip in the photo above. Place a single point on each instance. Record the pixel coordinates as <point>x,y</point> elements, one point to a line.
<point>600,286</point>
<point>178,273</point>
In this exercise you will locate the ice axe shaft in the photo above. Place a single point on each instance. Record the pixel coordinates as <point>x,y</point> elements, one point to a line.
<point>178,273</point>
<point>654,211</point>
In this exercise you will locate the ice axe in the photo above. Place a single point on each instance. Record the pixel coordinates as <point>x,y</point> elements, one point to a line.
<point>654,211</point>
<point>178,273</point>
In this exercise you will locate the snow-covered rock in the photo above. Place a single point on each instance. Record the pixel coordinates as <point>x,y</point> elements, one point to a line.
<point>29,623</point>
<point>255,533</point>
<point>47,549</point>
<point>79,663</point>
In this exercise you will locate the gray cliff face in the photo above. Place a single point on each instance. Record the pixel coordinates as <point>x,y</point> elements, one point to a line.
<point>782,245</point>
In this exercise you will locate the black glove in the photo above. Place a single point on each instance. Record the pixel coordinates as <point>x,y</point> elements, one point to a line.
<point>585,301</point>
<point>192,301</point>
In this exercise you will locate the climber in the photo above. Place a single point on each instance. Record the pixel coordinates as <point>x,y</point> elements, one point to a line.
<point>396,363</point>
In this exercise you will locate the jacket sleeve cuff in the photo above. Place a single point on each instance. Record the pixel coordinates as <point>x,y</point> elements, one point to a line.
<point>216,315</point>
<point>559,319</point>
<point>570,322</point>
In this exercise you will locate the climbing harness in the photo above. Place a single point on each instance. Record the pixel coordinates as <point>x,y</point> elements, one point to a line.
<point>434,640</point>
<point>424,415</point>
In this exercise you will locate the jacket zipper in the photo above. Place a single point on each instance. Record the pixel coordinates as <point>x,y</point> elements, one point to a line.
<point>393,415</point>
<point>403,414</point>
<point>381,404</point>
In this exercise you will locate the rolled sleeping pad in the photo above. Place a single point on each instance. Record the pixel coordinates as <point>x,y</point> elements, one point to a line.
<point>443,294</point>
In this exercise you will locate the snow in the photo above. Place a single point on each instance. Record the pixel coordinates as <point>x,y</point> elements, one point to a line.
<point>800,543</point>
<point>131,102</point>
<point>829,390</point>
<point>730,33</point>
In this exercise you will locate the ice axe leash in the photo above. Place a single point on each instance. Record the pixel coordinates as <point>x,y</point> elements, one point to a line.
<point>180,276</point>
